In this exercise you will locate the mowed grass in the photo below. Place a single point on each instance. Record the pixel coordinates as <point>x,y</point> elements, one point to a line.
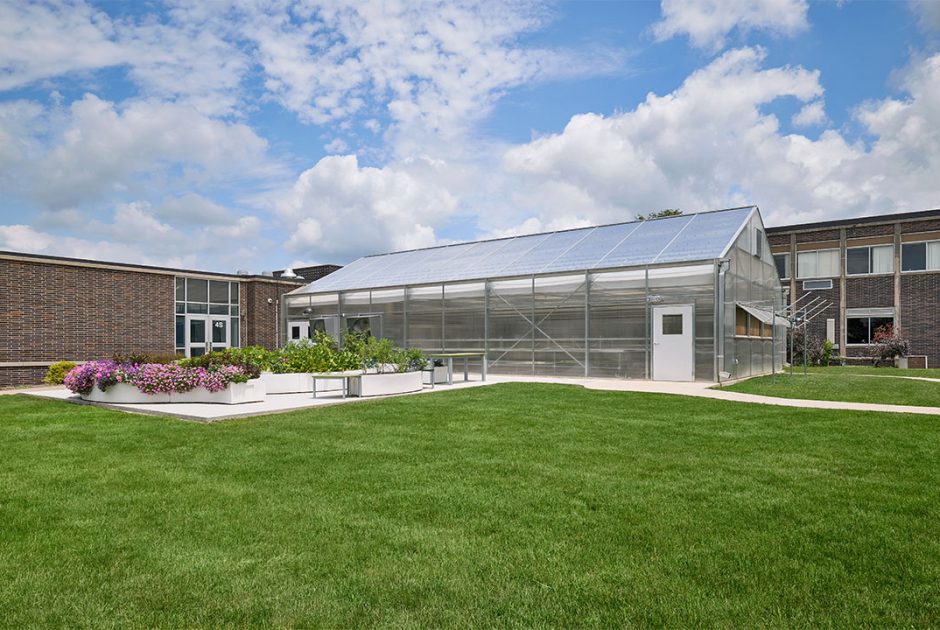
<point>838,384</point>
<point>508,505</point>
<point>872,370</point>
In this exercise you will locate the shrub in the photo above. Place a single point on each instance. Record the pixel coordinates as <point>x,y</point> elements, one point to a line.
<point>55,375</point>
<point>826,352</point>
<point>889,343</point>
<point>810,345</point>
<point>229,357</point>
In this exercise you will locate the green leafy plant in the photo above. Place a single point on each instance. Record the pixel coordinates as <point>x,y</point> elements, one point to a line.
<point>215,360</point>
<point>826,352</point>
<point>55,374</point>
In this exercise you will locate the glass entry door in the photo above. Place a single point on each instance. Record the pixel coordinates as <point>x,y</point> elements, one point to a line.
<point>205,333</point>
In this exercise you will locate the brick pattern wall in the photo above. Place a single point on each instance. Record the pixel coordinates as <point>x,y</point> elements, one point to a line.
<point>53,312</point>
<point>16,376</point>
<point>928,225</point>
<point>778,239</point>
<point>817,235</point>
<point>260,321</point>
<point>920,311</point>
<point>869,292</point>
<point>817,327</point>
<point>862,231</point>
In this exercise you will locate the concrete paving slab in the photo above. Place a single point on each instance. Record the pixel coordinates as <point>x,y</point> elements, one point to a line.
<point>280,403</point>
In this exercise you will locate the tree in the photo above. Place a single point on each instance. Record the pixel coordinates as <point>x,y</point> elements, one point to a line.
<point>668,212</point>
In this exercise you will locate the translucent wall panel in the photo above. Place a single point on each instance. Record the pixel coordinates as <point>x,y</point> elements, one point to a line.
<point>325,304</point>
<point>560,324</point>
<point>703,236</point>
<point>585,253</point>
<point>465,317</point>
<point>645,243</point>
<point>541,256</point>
<point>390,304</point>
<point>298,307</point>
<point>356,303</point>
<point>617,324</point>
<point>510,326</point>
<point>425,318</point>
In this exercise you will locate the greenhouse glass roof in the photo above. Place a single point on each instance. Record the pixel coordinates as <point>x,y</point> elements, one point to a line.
<point>692,237</point>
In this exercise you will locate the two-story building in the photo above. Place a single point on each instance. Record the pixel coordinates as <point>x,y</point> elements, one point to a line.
<point>872,271</point>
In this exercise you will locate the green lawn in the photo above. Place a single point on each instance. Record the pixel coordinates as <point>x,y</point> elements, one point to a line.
<point>509,505</point>
<point>839,384</point>
<point>870,369</point>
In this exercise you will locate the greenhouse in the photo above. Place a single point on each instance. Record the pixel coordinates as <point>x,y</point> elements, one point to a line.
<point>689,297</point>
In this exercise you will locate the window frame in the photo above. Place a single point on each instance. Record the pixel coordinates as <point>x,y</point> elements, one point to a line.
<point>815,252</point>
<point>786,264</point>
<point>870,331</point>
<point>870,259</point>
<point>930,265</point>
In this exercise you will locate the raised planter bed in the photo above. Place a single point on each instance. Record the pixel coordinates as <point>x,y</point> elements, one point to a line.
<point>126,394</point>
<point>385,384</point>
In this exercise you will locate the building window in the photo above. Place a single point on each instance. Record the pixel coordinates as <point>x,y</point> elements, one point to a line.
<point>215,299</point>
<point>823,263</point>
<point>920,256</point>
<point>783,265</point>
<point>747,325</point>
<point>860,329</point>
<point>869,260</point>
<point>758,243</point>
<point>816,285</point>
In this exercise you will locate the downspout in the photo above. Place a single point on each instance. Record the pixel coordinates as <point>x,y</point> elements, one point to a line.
<point>722,268</point>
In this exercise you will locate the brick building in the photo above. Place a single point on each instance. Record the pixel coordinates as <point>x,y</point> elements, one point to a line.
<point>872,271</point>
<point>54,308</point>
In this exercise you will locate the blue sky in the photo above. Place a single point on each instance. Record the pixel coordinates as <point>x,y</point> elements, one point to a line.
<point>229,135</point>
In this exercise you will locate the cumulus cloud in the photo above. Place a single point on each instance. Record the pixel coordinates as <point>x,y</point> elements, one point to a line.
<point>709,144</point>
<point>708,23</point>
<point>98,147</point>
<point>810,114</point>
<point>339,210</point>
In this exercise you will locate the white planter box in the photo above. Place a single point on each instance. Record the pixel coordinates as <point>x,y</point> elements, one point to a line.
<point>124,393</point>
<point>385,384</point>
<point>902,362</point>
<point>234,394</point>
<point>440,375</point>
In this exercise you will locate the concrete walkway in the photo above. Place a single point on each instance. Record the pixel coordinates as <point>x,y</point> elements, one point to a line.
<point>280,403</point>
<point>705,390</point>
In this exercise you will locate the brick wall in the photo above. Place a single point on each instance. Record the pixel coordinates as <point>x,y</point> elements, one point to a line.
<point>817,235</point>
<point>260,320</point>
<point>869,292</point>
<point>55,311</point>
<point>920,310</point>
<point>862,231</point>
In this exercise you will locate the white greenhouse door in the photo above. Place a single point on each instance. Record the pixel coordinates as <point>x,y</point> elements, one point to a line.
<point>298,330</point>
<point>673,343</point>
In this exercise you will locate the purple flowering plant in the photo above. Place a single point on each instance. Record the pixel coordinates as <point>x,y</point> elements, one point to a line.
<point>152,378</point>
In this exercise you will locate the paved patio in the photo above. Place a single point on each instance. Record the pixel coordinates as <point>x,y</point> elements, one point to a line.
<point>280,403</point>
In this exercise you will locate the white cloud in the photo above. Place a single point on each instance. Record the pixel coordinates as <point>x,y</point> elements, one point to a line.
<point>709,22</point>
<point>338,210</point>
<point>810,114</point>
<point>41,40</point>
<point>98,148</point>
<point>709,145</point>
<point>191,208</point>
<point>928,15</point>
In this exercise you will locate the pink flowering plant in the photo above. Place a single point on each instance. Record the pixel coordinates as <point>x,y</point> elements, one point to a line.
<point>153,378</point>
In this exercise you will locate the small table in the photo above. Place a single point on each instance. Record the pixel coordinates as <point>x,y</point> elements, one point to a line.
<point>345,376</point>
<point>466,356</point>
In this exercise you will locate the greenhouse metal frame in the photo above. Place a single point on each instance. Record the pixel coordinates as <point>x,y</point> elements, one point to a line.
<point>691,297</point>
